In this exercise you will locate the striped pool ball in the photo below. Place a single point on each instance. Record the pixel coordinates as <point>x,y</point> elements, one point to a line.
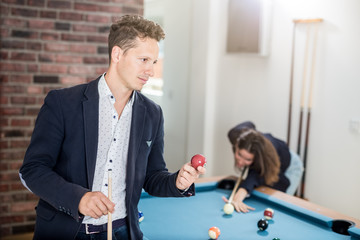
<point>269,213</point>
<point>214,232</point>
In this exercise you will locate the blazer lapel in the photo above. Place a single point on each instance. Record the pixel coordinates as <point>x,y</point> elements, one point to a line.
<point>91,127</point>
<point>137,128</point>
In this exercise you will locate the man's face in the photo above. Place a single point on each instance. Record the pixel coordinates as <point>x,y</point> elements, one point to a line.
<point>137,64</point>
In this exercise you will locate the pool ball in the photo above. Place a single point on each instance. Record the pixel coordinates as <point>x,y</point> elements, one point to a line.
<point>214,232</point>
<point>262,224</point>
<point>198,160</point>
<point>268,213</point>
<point>141,216</point>
<point>228,208</point>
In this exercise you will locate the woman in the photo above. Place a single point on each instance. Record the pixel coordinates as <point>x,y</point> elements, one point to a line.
<point>267,158</point>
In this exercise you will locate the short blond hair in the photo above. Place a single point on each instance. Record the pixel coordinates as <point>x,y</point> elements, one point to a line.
<point>128,28</point>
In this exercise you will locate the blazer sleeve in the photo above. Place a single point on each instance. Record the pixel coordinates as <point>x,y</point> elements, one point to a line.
<point>158,181</point>
<point>39,170</point>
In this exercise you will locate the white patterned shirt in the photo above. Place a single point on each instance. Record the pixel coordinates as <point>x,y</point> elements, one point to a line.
<point>113,145</point>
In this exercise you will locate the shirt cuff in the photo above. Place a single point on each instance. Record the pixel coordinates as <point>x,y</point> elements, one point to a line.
<point>183,191</point>
<point>188,192</point>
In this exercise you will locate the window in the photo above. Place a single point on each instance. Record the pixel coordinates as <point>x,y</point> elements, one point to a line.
<point>153,10</point>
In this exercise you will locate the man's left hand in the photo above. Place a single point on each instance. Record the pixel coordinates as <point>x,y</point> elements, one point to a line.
<point>187,176</point>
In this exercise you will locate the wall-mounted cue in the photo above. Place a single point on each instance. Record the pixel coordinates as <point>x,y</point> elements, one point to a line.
<point>302,101</point>
<point>291,83</point>
<point>109,226</point>
<point>296,22</point>
<point>309,110</point>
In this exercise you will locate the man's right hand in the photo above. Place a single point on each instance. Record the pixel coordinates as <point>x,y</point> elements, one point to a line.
<point>95,205</point>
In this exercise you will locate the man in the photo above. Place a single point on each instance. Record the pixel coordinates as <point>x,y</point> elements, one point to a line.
<point>85,131</point>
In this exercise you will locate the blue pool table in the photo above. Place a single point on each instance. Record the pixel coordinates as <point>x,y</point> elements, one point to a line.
<point>191,218</point>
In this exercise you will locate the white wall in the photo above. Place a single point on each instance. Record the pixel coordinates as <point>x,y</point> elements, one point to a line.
<point>208,91</point>
<point>262,87</point>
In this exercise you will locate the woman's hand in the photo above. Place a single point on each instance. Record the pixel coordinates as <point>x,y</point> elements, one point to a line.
<point>238,203</point>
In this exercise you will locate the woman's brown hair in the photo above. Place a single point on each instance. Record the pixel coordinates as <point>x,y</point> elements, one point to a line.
<point>266,160</point>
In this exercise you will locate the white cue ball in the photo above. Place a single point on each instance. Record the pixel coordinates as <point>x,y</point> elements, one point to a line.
<point>228,208</point>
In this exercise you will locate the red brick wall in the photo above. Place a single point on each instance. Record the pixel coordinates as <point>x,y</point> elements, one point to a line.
<point>45,44</point>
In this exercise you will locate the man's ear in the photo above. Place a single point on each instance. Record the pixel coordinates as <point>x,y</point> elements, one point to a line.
<point>116,53</point>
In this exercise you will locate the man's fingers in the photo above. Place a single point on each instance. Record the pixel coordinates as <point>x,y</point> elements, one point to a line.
<point>201,170</point>
<point>188,168</point>
<point>97,211</point>
<point>108,205</point>
<point>102,207</point>
<point>182,182</point>
<point>95,204</point>
<point>187,175</point>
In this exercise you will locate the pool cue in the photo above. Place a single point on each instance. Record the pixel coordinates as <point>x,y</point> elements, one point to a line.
<point>309,111</point>
<point>303,21</point>
<point>242,176</point>
<point>109,226</point>
<point>291,82</point>
<point>302,102</point>
<point>296,21</point>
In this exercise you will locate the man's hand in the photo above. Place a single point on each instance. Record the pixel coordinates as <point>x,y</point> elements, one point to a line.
<point>187,176</point>
<point>95,204</point>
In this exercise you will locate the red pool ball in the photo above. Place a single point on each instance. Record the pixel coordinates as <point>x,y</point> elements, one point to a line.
<point>198,160</point>
<point>268,213</point>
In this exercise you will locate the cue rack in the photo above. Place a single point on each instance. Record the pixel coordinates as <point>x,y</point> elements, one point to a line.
<point>309,29</point>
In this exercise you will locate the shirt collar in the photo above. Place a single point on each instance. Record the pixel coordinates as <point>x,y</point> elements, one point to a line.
<point>104,90</point>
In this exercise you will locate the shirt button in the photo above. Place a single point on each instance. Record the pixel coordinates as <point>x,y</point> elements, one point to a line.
<point>110,160</point>
<point>105,184</point>
<point>114,116</point>
<point>112,96</point>
<point>114,139</point>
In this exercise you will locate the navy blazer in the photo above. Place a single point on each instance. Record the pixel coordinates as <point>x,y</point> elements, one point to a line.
<point>59,164</point>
